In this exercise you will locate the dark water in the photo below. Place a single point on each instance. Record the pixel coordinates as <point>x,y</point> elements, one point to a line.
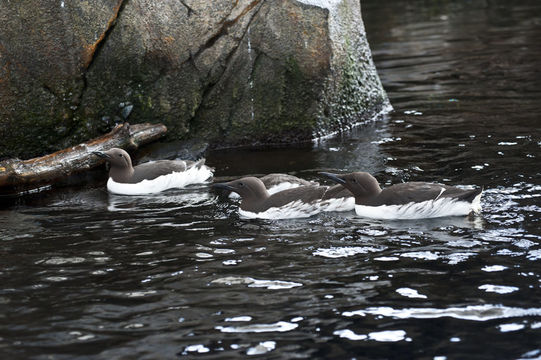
<point>89,275</point>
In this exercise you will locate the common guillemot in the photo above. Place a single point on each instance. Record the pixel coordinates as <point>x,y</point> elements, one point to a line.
<point>151,177</point>
<point>298,202</point>
<point>412,200</point>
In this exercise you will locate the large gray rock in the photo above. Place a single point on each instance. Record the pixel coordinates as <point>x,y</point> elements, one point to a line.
<point>231,72</point>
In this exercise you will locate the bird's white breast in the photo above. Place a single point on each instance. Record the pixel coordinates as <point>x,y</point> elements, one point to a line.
<point>421,210</point>
<point>161,183</point>
<point>338,204</point>
<point>292,210</point>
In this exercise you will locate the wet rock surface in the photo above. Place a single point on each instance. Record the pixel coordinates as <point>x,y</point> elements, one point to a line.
<point>232,73</point>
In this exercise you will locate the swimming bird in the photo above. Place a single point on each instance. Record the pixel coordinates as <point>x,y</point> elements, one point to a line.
<point>412,200</point>
<point>299,202</point>
<point>151,177</point>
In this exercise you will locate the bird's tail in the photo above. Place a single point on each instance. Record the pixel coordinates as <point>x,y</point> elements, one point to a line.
<point>470,195</point>
<point>199,163</point>
<point>475,197</point>
<point>195,164</point>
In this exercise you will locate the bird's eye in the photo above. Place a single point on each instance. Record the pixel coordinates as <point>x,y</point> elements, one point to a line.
<point>241,184</point>
<point>120,155</point>
<point>353,180</point>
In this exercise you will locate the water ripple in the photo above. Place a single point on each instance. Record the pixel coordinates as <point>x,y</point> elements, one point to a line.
<point>261,348</point>
<point>381,336</point>
<point>471,312</point>
<point>269,284</point>
<point>339,252</point>
<point>280,326</point>
<point>500,289</point>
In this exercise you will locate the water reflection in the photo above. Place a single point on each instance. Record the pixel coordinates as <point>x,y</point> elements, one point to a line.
<point>280,326</point>
<point>172,200</point>
<point>268,284</point>
<point>381,336</point>
<point>473,313</point>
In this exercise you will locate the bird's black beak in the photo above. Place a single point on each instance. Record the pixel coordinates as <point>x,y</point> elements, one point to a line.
<point>333,177</point>
<point>223,186</point>
<point>101,154</point>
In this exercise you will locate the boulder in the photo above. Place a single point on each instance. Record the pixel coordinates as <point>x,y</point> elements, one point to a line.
<point>231,72</point>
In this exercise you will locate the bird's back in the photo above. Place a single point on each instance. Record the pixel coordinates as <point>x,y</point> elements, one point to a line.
<point>275,179</point>
<point>405,193</point>
<point>336,191</point>
<point>154,169</point>
<point>305,194</point>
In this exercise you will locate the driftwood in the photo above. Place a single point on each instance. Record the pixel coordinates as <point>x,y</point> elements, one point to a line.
<point>22,176</point>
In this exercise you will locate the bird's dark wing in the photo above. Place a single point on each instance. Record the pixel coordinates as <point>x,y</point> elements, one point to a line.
<point>306,194</point>
<point>421,191</point>
<point>197,164</point>
<point>336,192</point>
<point>154,169</point>
<point>275,179</point>
<point>461,194</point>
